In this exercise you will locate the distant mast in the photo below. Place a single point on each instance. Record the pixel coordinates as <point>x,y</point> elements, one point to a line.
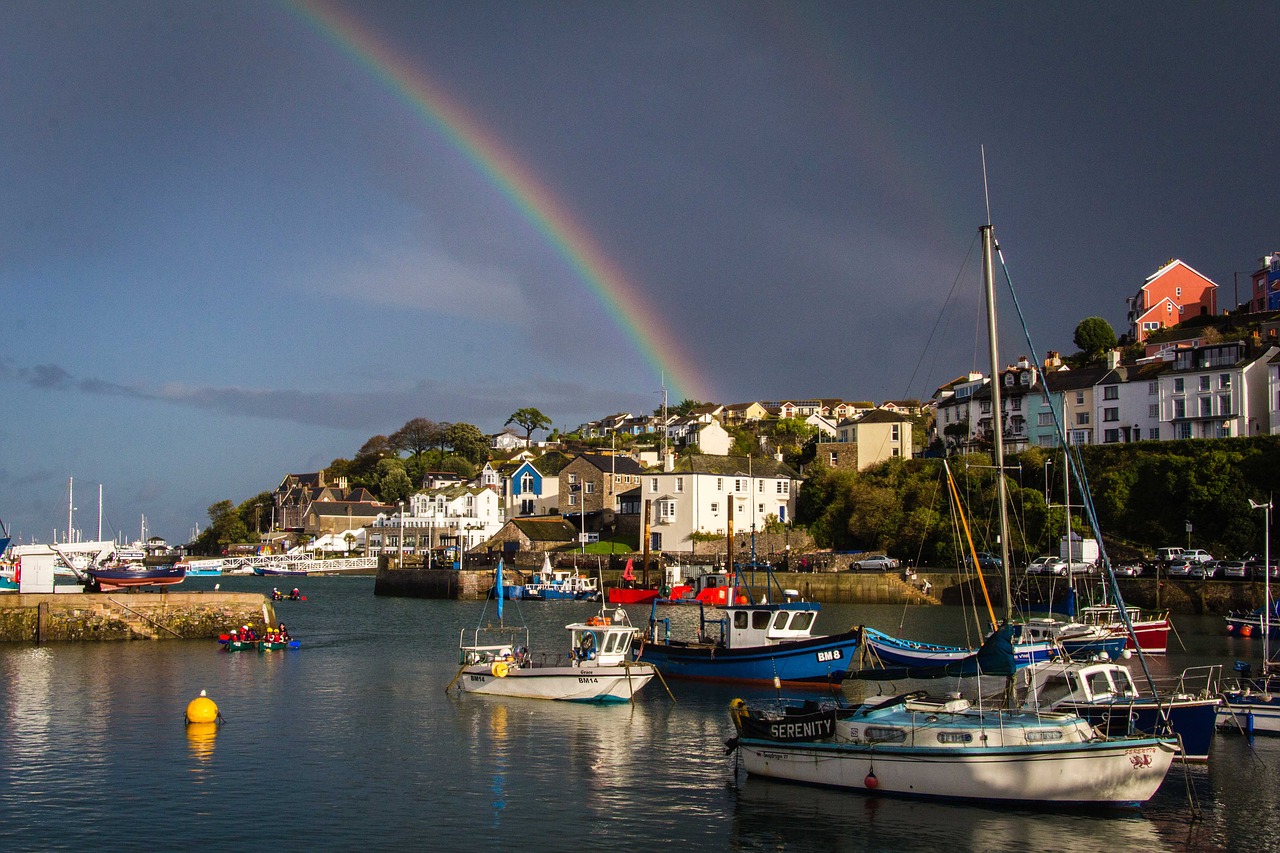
<point>997,411</point>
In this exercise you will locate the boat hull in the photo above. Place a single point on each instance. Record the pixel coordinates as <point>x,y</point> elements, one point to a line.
<point>1192,720</point>
<point>817,662</point>
<point>1123,774</point>
<point>899,652</point>
<point>1251,713</point>
<point>562,683</point>
<point>110,580</point>
<point>633,596</point>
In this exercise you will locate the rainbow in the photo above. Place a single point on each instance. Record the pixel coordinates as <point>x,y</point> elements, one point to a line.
<point>621,297</point>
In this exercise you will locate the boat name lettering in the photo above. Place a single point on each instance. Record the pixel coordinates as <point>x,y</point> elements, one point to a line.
<point>584,680</point>
<point>801,731</point>
<point>829,655</point>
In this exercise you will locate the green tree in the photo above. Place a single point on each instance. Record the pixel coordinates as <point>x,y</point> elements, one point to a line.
<point>529,419</point>
<point>226,528</point>
<point>394,484</point>
<point>415,437</point>
<point>468,442</point>
<point>1094,336</point>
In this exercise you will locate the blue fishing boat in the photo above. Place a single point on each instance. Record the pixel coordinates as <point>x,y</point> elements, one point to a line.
<point>752,642</point>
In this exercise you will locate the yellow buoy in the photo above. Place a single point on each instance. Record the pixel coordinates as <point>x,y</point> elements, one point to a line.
<point>202,709</point>
<point>499,669</point>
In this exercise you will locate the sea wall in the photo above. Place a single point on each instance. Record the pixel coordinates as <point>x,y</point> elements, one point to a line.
<point>130,616</point>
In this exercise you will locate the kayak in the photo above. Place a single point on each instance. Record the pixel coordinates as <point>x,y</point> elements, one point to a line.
<point>269,646</point>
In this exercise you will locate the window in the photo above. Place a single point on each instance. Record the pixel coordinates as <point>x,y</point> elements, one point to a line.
<point>1082,418</point>
<point>782,486</point>
<point>1111,414</point>
<point>1079,398</point>
<point>653,484</point>
<point>1224,405</point>
<point>1153,388</point>
<point>715,508</point>
<point>679,484</point>
<point>760,509</point>
<point>893,432</point>
<point>984,406</point>
<point>1016,404</point>
<point>1111,436</point>
<point>573,478</point>
<point>1045,419</point>
<point>1177,291</point>
<point>589,488</point>
<point>719,484</point>
<point>1178,385</point>
<point>737,484</point>
<point>1179,408</point>
<point>1153,411</point>
<point>1182,430</point>
<point>1154,435</point>
<point>573,500</point>
<point>526,482</point>
<point>760,484</point>
<point>834,459</point>
<point>1204,383</point>
<point>1224,380</point>
<point>1111,392</point>
<point>1206,407</point>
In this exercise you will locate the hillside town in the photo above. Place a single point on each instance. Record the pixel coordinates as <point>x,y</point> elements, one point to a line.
<point>1182,370</point>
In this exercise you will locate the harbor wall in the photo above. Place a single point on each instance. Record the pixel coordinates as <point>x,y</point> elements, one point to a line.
<point>954,588</point>
<point>130,616</point>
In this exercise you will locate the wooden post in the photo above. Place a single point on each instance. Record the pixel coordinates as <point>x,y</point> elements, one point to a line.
<point>42,622</point>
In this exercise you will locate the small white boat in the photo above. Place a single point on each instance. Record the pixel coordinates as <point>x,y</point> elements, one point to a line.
<point>595,668</point>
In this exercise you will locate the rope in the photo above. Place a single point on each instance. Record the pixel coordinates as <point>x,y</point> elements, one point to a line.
<point>145,617</point>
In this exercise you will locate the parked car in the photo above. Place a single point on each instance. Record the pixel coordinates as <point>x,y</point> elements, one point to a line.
<point>1047,566</point>
<point>1167,555</point>
<point>1259,574</point>
<point>1197,555</point>
<point>1128,570</point>
<point>1203,571</point>
<point>1179,568</point>
<point>876,562</point>
<point>1235,569</point>
<point>986,562</point>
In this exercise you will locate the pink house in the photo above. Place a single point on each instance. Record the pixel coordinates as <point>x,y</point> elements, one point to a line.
<point>1173,293</point>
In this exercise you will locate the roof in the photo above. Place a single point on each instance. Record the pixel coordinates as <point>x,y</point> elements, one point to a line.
<point>732,466</point>
<point>613,464</point>
<point>352,508</point>
<point>882,416</point>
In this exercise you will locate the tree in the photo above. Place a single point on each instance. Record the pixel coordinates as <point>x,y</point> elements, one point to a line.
<point>226,528</point>
<point>1094,336</point>
<point>393,483</point>
<point>683,408</point>
<point>529,419</point>
<point>467,441</point>
<point>416,436</point>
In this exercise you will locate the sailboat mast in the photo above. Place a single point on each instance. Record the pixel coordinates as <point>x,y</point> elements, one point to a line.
<point>997,409</point>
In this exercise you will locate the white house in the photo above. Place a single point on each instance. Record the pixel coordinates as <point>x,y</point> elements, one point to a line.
<point>694,496</point>
<point>452,516</point>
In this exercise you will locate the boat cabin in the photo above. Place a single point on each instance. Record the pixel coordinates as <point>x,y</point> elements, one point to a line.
<point>1060,683</point>
<point>753,625</point>
<point>604,640</point>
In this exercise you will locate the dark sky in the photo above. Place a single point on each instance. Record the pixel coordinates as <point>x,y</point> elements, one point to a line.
<point>237,243</point>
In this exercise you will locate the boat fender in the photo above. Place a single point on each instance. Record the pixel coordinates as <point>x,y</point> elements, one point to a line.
<point>1246,630</point>
<point>871,781</point>
<point>499,669</point>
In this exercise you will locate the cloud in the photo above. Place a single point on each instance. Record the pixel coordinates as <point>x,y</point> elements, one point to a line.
<point>408,276</point>
<point>374,410</point>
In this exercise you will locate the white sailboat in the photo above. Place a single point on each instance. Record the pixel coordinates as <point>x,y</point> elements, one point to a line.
<point>497,661</point>
<point>949,747</point>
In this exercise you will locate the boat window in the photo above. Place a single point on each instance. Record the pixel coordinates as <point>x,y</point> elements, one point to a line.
<point>884,734</point>
<point>1099,684</point>
<point>955,737</point>
<point>610,643</point>
<point>780,620</point>
<point>801,621</point>
<point>740,619</point>
<point>1044,736</point>
<point>760,620</point>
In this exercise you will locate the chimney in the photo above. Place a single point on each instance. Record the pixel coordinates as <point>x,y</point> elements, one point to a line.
<point>1113,359</point>
<point>669,461</point>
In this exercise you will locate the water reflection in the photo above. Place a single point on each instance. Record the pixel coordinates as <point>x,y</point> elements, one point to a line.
<point>200,738</point>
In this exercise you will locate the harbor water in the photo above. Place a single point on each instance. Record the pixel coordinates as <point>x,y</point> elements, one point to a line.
<point>351,742</point>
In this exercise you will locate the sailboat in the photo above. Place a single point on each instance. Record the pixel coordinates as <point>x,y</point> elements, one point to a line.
<point>948,747</point>
<point>497,661</point>
<point>1253,704</point>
